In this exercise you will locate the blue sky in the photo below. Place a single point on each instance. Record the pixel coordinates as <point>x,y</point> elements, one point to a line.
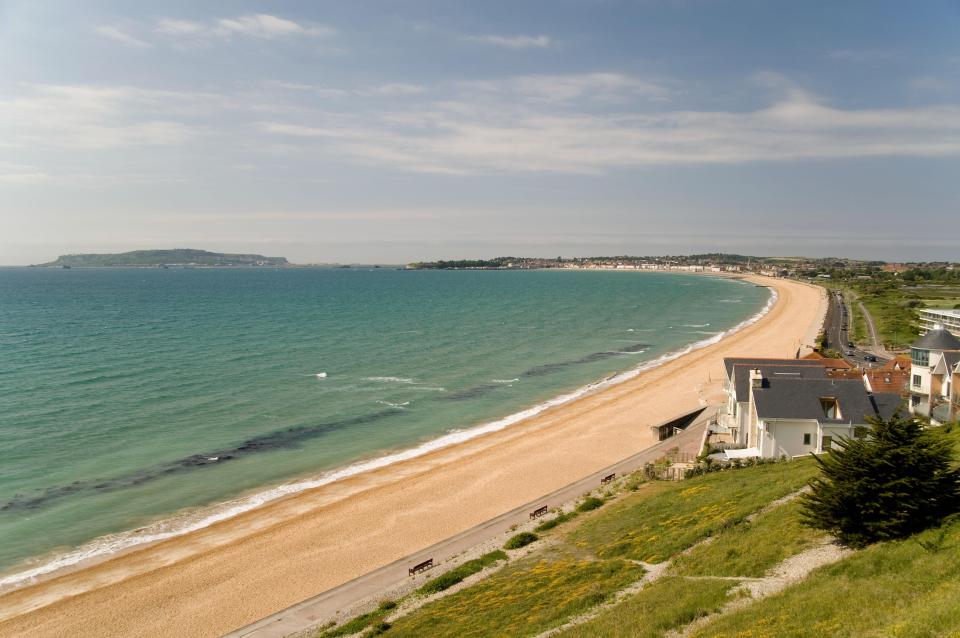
<point>394,131</point>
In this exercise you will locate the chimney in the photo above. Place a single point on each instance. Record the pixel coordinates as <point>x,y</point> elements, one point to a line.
<point>756,378</point>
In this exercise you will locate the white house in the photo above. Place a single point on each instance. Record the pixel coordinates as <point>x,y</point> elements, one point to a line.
<point>794,417</point>
<point>934,373</point>
<point>793,407</point>
<point>734,417</point>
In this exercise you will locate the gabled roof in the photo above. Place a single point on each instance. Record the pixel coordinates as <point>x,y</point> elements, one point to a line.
<point>772,369</point>
<point>951,358</point>
<point>899,362</point>
<point>937,339</point>
<point>729,362</point>
<point>800,399</point>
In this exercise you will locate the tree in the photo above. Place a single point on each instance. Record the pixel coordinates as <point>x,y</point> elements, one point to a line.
<point>897,481</point>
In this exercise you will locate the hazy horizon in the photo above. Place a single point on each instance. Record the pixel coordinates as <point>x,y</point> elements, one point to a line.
<point>422,130</point>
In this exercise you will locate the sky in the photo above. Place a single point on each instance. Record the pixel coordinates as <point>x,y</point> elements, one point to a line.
<point>399,130</point>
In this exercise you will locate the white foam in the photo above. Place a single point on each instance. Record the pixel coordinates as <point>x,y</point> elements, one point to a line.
<point>504,380</point>
<point>321,375</point>
<point>390,380</point>
<point>398,406</point>
<point>170,528</point>
<point>695,325</point>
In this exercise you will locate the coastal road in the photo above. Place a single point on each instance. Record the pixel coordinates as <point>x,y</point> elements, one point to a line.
<point>326,605</point>
<point>838,334</point>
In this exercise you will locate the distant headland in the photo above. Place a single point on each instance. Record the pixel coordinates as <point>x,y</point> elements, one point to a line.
<point>180,257</point>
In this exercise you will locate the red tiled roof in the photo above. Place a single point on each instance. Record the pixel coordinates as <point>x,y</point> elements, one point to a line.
<point>901,361</point>
<point>836,364</point>
<point>888,380</point>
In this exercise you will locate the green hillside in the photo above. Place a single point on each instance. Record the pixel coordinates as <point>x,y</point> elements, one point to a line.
<point>173,257</point>
<point>722,555</point>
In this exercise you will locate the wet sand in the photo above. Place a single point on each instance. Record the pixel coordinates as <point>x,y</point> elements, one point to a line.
<point>228,575</point>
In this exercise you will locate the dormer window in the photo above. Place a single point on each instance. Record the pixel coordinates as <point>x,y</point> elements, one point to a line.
<point>830,407</point>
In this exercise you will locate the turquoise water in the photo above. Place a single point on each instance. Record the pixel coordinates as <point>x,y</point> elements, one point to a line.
<point>128,395</point>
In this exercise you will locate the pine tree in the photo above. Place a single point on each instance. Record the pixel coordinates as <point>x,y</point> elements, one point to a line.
<point>898,480</point>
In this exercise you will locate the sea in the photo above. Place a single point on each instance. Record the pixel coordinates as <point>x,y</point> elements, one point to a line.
<point>138,404</point>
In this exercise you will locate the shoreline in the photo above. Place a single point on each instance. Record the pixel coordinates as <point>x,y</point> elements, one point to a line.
<point>40,569</point>
<point>44,607</point>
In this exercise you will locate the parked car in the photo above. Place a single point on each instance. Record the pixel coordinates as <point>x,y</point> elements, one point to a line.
<point>869,357</point>
<point>849,344</point>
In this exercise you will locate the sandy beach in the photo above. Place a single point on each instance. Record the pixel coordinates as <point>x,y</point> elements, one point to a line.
<point>228,575</point>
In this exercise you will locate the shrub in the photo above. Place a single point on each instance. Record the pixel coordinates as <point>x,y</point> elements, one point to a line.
<point>457,574</point>
<point>636,480</point>
<point>563,517</point>
<point>590,503</point>
<point>378,628</point>
<point>387,605</point>
<point>521,540</point>
<point>898,481</point>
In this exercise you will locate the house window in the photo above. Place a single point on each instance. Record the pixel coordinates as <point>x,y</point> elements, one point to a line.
<point>916,381</point>
<point>919,357</point>
<point>914,400</point>
<point>826,442</point>
<point>806,439</point>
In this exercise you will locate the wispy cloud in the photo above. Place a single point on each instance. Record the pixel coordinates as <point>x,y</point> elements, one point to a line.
<point>464,138</point>
<point>118,34</point>
<point>95,117</point>
<point>261,25</point>
<point>579,123</point>
<point>391,89</point>
<point>513,41</point>
<point>563,88</point>
<point>256,25</point>
<point>175,27</point>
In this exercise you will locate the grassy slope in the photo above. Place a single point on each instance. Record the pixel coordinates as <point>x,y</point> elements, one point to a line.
<point>654,529</point>
<point>579,568</point>
<point>752,549</point>
<point>527,598</point>
<point>665,604</point>
<point>890,589</point>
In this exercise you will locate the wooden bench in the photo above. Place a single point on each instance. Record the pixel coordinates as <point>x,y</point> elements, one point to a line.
<point>537,513</point>
<point>608,478</point>
<point>421,567</point>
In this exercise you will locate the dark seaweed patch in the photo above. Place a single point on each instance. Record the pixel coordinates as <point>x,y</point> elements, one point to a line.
<point>469,393</point>
<point>281,439</point>
<point>550,368</point>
